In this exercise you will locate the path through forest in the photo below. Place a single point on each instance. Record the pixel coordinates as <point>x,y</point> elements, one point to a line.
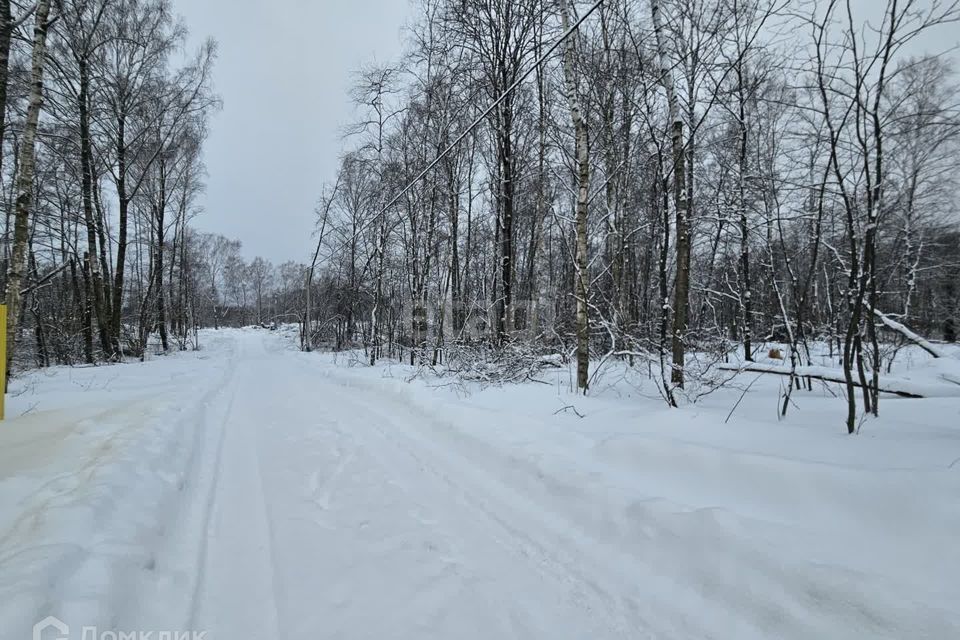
<point>265,493</point>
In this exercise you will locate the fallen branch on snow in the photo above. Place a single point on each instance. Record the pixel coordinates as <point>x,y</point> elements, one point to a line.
<point>897,386</point>
<point>902,329</point>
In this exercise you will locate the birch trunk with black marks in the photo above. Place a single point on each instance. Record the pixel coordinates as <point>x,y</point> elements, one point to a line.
<point>681,292</point>
<point>6,32</point>
<point>581,285</point>
<point>24,186</point>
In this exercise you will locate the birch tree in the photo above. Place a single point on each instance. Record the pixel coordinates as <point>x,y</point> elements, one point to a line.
<point>25,187</point>
<point>581,274</point>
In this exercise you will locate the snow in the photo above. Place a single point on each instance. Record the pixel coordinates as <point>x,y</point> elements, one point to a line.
<point>253,491</point>
<point>924,383</point>
<point>926,345</point>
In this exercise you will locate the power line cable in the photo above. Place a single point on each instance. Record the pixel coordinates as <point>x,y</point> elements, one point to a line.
<point>486,112</point>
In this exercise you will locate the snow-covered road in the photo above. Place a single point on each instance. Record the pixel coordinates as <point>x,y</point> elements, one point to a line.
<point>335,515</point>
<point>256,492</point>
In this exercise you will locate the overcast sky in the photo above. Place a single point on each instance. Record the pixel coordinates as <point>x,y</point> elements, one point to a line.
<point>283,72</point>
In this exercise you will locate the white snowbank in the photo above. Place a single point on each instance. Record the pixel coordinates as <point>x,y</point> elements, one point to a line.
<point>257,492</point>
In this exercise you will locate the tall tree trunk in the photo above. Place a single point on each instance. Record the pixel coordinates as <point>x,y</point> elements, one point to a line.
<point>6,31</point>
<point>539,213</point>
<point>27,166</point>
<point>581,274</point>
<point>663,202</point>
<point>456,287</point>
<point>746,294</point>
<point>681,292</point>
<point>86,166</point>
<point>124,207</point>
<point>158,262</point>
<point>505,321</point>
<point>103,241</point>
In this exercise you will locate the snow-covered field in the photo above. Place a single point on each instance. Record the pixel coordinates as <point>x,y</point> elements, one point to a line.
<point>252,491</point>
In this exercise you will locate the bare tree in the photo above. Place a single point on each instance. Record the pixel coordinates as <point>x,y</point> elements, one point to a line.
<point>25,178</point>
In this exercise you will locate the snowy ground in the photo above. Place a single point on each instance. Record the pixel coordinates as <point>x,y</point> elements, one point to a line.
<point>256,492</point>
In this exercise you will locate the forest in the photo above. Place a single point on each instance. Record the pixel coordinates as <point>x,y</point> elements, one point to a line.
<point>669,182</point>
<point>686,186</point>
<point>103,125</point>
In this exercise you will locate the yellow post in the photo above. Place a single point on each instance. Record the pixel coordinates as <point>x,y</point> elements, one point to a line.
<point>3,357</point>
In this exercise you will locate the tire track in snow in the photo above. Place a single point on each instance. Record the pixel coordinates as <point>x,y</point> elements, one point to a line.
<point>379,525</point>
<point>206,513</point>
<point>237,545</point>
<point>553,564</point>
<point>101,524</point>
<point>685,568</point>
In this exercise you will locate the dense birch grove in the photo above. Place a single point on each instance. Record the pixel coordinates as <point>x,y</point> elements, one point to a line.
<point>681,183</point>
<point>676,184</point>
<point>104,118</point>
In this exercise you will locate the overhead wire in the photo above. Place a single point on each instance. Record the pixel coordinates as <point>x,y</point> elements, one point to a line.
<point>573,28</point>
